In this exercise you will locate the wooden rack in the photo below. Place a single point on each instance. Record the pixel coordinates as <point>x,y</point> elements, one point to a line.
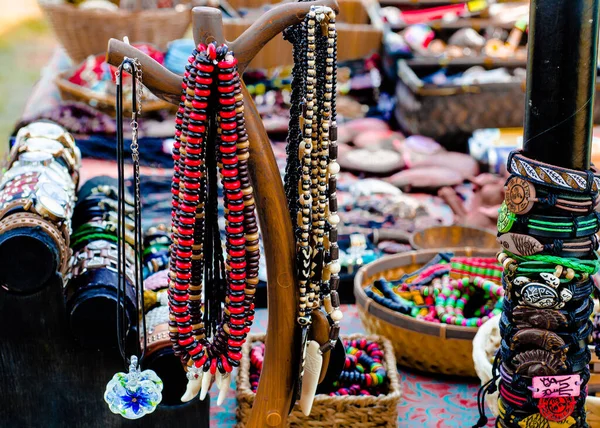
<point>275,392</point>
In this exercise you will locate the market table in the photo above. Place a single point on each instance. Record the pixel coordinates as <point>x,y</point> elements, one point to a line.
<point>427,400</point>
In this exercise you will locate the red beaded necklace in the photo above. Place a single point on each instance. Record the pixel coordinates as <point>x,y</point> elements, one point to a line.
<point>212,109</point>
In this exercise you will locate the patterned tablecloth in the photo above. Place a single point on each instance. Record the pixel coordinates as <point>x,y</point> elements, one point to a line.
<point>427,401</point>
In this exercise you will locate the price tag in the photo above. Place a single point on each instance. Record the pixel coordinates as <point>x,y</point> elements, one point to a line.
<point>556,386</point>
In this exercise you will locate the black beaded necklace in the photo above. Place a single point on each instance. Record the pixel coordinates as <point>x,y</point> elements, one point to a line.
<point>310,182</point>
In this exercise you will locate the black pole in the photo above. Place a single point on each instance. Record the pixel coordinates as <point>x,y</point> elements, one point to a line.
<point>561,75</point>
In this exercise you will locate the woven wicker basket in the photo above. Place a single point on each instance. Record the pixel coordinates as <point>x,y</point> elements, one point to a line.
<point>103,102</point>
<point>421,345</point>
<point>358,34</point>
<point>333,412</point>
<point>485,344</point>
<point>85,32</point>
<point>452,112</point>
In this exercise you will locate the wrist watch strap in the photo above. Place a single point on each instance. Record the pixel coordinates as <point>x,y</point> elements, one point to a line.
<point>20,220</point>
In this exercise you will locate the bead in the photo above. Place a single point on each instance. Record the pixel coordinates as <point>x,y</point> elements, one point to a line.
<point>334,168</point>
<point>334,267</point>
<point>337,315</point>
<point>334,219</point>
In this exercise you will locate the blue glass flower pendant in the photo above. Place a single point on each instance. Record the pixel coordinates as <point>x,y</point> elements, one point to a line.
<point>134,394</point>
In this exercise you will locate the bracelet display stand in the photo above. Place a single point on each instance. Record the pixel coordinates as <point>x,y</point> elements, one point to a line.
<point>48,380</point>
<point>274,396</point>
<point>562,60</point>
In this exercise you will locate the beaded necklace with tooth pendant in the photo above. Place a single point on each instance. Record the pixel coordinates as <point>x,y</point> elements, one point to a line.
<point>312,138</point>
<point>211,140</point>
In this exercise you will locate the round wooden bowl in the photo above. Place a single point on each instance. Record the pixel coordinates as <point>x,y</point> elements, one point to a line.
<point>421,345</point>
<point>484,348</point>
<point>453,237</point>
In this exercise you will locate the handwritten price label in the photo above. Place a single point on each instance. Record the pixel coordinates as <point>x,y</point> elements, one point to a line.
<point>556,386</point>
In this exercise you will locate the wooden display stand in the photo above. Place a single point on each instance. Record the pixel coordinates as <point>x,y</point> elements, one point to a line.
<point>274,396</point>
<point>47,380</point>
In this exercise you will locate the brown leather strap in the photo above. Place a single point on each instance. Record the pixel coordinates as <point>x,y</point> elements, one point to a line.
<point>22,220</point>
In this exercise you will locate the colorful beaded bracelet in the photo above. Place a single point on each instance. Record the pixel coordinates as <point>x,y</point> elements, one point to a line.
<point>486,268</point>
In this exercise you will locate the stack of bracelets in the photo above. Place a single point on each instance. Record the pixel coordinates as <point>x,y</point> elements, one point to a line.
<point>310,183</point>
<point>157,244</point>
<point>463,291</point>
<point>37,194</point>
<point>159,352</point>
<point>211,145</point>
<point>364,373</point>
<point>547,226</point>
<point>91,291</point>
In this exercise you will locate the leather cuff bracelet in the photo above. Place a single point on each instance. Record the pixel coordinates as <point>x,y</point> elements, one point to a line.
<point>546,293</point>
<point>534,362</point>
<point>521,196</point>
<point>91,299</point>
<point>569,180</point>
<point>547,226</point>
<point>99,254</point>
<point>548,319</point>
<point>545,339</point>
<point>157,329</point>
<point>21,220</point>
<point>525,245</point>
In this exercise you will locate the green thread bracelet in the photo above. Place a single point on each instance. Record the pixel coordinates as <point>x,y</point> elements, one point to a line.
<point>587,266</point>
<point>94,237</point>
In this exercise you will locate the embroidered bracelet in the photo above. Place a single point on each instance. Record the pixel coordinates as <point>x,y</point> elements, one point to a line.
<point>552,176</point>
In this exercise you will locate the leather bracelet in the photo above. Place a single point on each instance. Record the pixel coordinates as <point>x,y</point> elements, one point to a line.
<point>525,245</point>
<point>21,220</point>
<point>518,381</point>
<point>14,199</point>
<point>157,338</point>
<point>548,226</point>
<point>545,339</point>
<point>26,177</point>
<point>29,181</point>
<point>28,204</point>
<point>99,278</point>
<point>544,362</point>
<point>552,176</point>
<point>549,319</point>
<point>99,254</point>
<point>521,196</point>
<point>534,362</point>
<point>546,293</point>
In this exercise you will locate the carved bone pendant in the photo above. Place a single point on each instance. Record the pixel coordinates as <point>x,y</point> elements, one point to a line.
<point>312,371</point>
